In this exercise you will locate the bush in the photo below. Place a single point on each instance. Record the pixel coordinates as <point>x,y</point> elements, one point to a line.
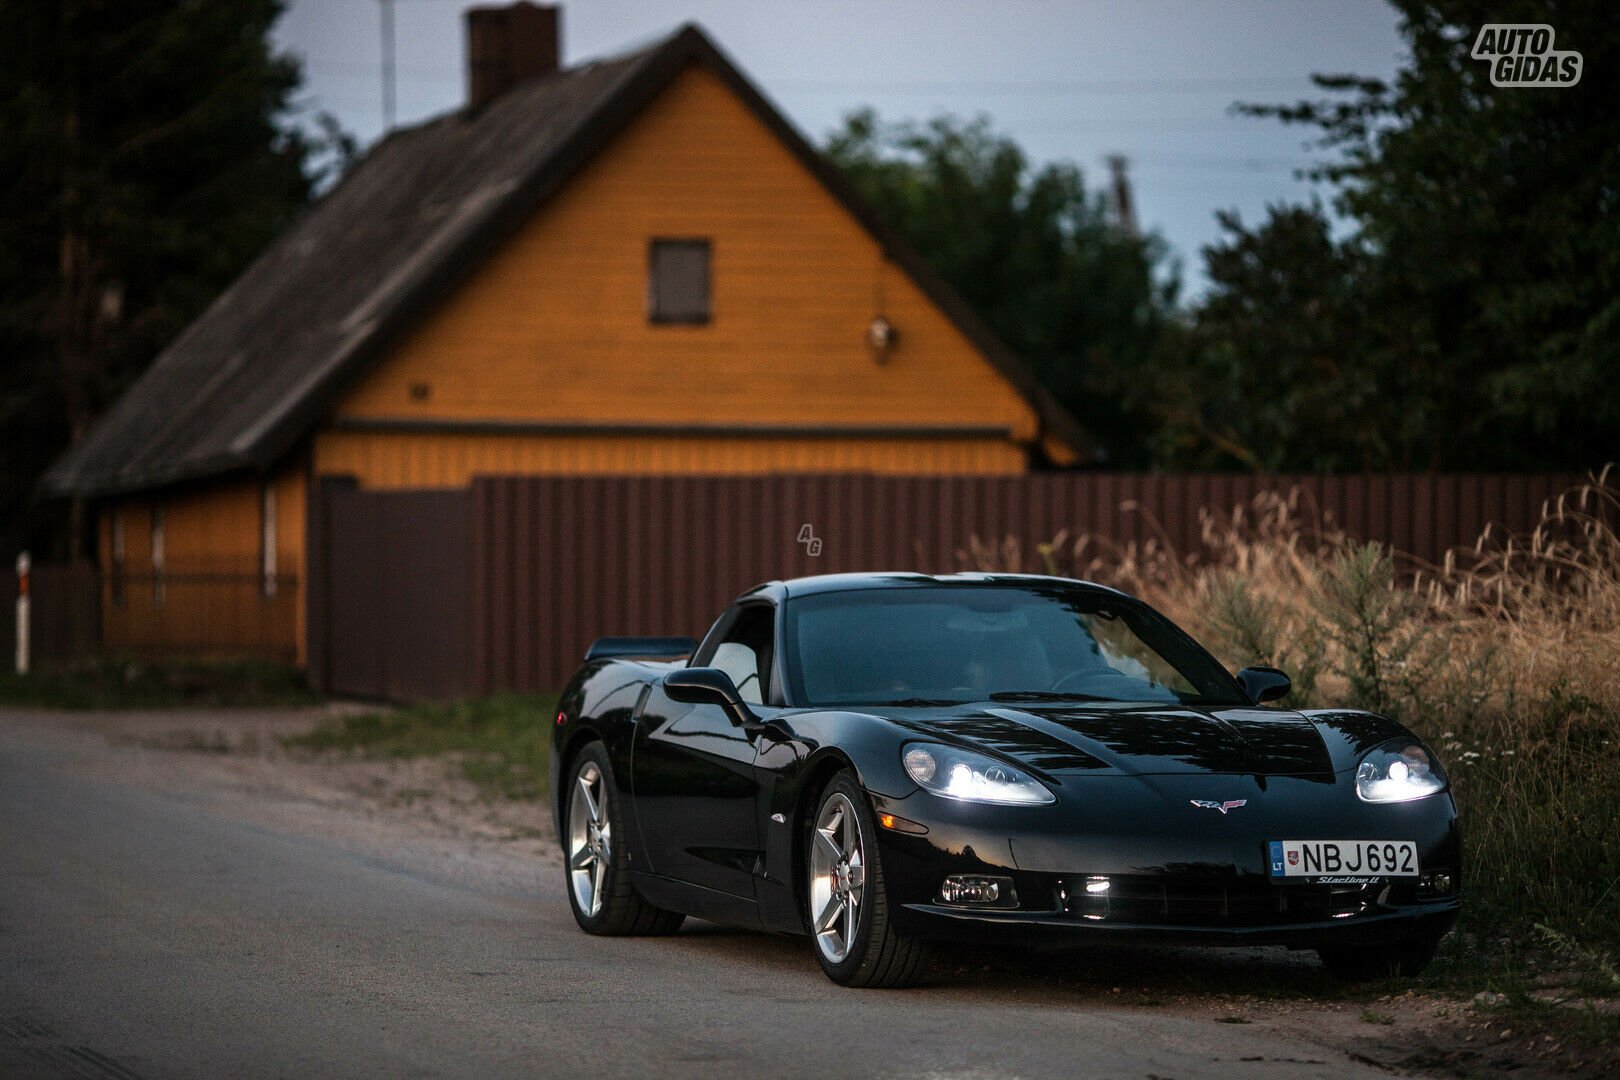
<point>1373,626</point>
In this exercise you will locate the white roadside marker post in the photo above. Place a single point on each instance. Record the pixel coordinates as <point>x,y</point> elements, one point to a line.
<point>22,613</point>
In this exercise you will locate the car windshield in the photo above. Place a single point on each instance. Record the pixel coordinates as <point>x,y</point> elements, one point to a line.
<point>952,643</point>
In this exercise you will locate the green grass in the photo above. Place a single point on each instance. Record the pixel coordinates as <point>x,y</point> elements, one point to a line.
<point>121,682</point>
<point>503,742</point>
<point>1540,817</point>
<point>1522,989</point>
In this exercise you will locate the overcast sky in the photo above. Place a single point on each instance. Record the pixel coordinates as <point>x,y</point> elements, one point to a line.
<point>1151,79</point>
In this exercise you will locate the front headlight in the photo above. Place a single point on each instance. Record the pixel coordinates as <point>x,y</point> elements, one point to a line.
<point>962,774</point>
<point>1398,772</point>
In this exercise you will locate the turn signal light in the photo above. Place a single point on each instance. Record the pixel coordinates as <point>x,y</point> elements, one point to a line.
<point>900,824</point>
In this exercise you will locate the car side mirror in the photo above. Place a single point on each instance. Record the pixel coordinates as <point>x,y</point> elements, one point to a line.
<point>1264,684</point>
<point>708,686</point>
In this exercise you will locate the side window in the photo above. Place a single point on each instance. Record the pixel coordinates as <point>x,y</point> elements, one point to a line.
<point>678,281</point>
<point>745,653</point>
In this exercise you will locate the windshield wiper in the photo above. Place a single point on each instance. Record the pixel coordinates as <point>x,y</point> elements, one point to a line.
<point>918,702</point>
<point>1044,695</point>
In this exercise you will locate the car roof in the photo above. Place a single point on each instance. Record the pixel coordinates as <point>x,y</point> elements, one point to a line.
<point>901,579</point>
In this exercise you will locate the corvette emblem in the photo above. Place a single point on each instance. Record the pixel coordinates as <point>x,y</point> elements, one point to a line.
<point>1223,807</point>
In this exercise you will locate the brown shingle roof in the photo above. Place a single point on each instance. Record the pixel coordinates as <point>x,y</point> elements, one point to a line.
<point>275,351</point>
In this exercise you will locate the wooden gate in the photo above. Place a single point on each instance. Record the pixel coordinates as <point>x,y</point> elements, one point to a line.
<point>390,610</point>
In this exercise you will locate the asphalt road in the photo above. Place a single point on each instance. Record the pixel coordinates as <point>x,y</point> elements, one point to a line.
<point>163,934</point>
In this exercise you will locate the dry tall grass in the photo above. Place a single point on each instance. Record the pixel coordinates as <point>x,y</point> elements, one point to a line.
<point>1506,659</point>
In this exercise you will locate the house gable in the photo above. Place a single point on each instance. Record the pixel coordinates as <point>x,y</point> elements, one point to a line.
<point>553,327</point>
<point>282,353</point>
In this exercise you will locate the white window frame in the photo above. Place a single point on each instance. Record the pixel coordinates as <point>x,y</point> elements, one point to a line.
<point>159,556</point>
<point>119,553</point>
<point>267,538</point>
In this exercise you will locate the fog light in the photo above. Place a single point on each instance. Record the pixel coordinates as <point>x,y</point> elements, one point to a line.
<point>1093,903</point>
<point>977,889</point>
<point>1438,882</point>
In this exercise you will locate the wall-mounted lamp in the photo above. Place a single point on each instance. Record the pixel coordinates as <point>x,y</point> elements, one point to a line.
<point>881,337</point>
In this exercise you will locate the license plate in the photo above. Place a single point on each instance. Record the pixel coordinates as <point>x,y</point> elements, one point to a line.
<point>1343,858</point>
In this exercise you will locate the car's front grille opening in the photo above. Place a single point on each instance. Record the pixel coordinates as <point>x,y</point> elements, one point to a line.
<point>1177,900</point>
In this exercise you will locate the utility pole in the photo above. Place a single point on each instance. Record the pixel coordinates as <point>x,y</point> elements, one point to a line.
<point>387,64</point>
<point>1124,203</point>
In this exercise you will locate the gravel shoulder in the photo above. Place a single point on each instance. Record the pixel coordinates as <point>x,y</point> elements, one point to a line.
<point>1227,1013</point>
<point>420,810</point>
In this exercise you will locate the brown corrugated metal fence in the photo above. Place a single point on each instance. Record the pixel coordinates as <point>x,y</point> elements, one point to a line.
<point>504,585</point>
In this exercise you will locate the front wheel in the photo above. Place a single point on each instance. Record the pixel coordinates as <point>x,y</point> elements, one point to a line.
<point>597,868</point>
<point>1365,963</point>
<point>849,908</point>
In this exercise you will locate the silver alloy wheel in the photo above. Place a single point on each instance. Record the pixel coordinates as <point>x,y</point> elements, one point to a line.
<point>590,838</point>
<point>837,877</point>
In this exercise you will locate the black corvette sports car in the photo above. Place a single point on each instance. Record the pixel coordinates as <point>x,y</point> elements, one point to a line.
<point>884,760</point>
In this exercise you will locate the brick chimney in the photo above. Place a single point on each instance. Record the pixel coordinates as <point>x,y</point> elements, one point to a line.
<point>506,45</point>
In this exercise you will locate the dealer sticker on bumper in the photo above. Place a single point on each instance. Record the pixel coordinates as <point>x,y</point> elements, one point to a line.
<point>1337,858</point>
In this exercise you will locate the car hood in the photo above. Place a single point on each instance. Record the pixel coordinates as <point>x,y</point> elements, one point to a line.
<point>1135,738</point>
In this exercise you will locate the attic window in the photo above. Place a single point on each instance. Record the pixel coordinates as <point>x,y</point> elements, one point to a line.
<point>678,281</point>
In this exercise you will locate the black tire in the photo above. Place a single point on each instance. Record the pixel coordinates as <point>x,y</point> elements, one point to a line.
<point>879,957</point>
<point>1368,963</point>
<point>622,911</point>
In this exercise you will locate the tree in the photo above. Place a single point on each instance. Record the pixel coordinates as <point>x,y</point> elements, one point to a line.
<point>1272,373</point>
<point>1083,300</point>
<point>144,161</point>
<point>1488,224</point>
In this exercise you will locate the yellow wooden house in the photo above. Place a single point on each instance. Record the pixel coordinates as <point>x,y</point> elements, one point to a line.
<point>629,266</point>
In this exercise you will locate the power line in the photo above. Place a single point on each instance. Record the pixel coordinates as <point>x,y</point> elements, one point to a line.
<point>388,63</point>
<point>1042,86</point>
<point>1049,87</point>
<point>433,72</point>
<point>1233,165</point>
<point>1111,125</point>
<point>1155,163</point>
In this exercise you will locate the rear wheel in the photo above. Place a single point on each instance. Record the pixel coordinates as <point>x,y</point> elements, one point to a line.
<point>849,908</point>
<point>1365,963</point>
<point>597,869</point>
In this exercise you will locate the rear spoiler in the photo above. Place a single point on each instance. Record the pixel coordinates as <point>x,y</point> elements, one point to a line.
<point>643,648</point>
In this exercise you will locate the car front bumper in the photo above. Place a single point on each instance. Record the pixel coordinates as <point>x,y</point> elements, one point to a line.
<point>1171,871</point>
<point>941,923</point>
